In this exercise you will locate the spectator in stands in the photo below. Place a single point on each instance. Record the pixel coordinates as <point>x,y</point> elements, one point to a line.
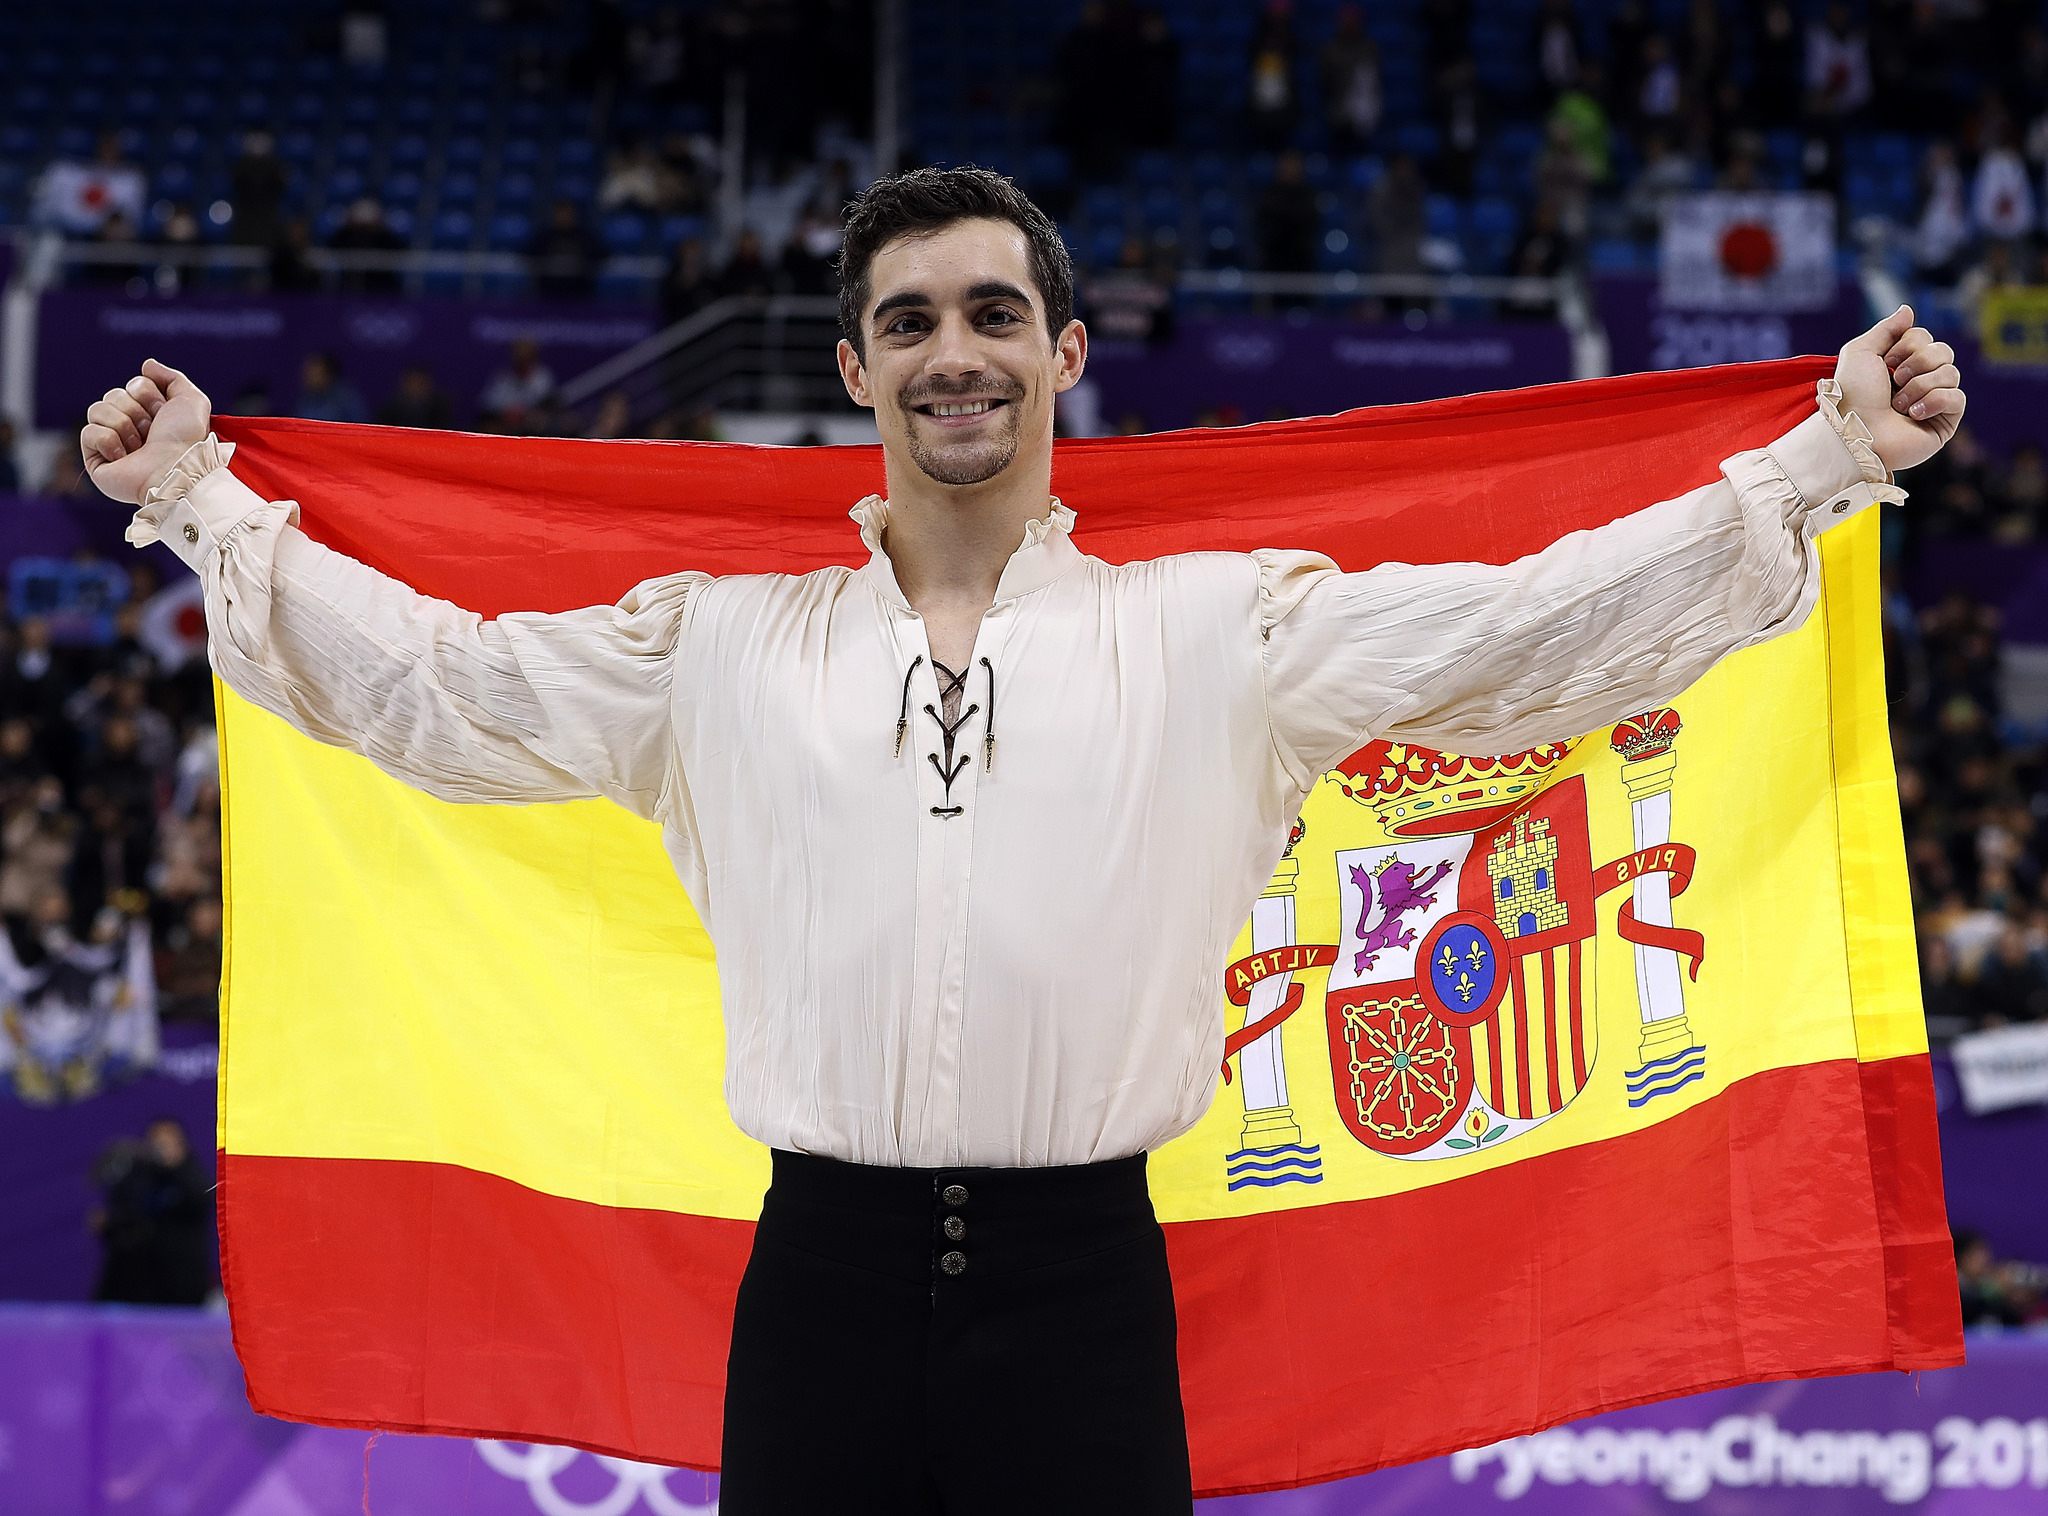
<point>1457,106</point>
<point>2010,987</point>
<point>810,260</point>
<point>418,401</point>
<point>686,286</point>
<point>1288,225</point>
<point>614,417</point>
<point>1397,211</point>
<point>1941,236</point>
<point>1564,179</point>
<point>1837,65</point>
<point>1154,93</point>
<point>1994,1293</point>
<point>2001,195</point>
<point>1582,114</point>
<point>1658,95</point>
<point>1542,252</point>
<point>188,959</point>
<point>258,182</point>
<point>1353,97</point>
<point>1132,302</point>
<point>565,254</point>
<point>747,273</point>
<point>1089,70</point>
<point>10,471</point>
<point>67,479</point>
<point>366,231</point>
<point>690,160</point>
<point>78,198</point>
<point>1558,58</point>
<point>289,272</point>
<point>1272,97</point>
<point>156,1223</point>
<point>517,391</point>
<point>638,179</point>
<point>1666,171</point>
<point>116,231</point>
<point>324,395</point>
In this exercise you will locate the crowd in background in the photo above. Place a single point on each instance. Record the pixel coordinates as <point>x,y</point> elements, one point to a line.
<point>109,799</point>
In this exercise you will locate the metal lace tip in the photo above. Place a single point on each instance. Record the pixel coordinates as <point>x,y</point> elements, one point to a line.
<point>901,728</point>
<point>988,753</point>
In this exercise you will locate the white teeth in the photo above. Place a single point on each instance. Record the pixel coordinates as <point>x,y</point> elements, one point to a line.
<point>973,409</point>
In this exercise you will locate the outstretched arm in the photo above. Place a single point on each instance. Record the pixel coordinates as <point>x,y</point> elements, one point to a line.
<point>526,707</point>
<point>1486,658</point>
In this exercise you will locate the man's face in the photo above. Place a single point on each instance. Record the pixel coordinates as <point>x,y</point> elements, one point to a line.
<point>167,1144</point>
<point>954,319</point>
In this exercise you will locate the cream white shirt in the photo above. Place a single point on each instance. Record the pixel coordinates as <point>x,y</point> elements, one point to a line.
<point>1019,964</point>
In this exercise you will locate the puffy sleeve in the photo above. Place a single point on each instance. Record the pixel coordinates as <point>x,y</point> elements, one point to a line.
<point>1602,623</point>
<point>525,707</point>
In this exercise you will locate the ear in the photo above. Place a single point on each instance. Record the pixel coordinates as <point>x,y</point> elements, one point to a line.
<point>854,375</point>
<point>1071,355</point>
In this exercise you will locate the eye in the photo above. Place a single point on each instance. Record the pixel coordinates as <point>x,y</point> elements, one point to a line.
<point>1009,316</point>
<point>896,327</point>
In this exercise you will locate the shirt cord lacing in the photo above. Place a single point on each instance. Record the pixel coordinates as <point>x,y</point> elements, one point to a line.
<point>949,770</point>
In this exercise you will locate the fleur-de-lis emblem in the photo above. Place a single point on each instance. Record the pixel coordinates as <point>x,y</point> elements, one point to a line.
<point>1474,955</point>
<point>1446,960</point>
<point>1465,987</point>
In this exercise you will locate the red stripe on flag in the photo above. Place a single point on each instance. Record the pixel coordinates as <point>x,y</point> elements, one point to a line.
<point>1578,1015</point>
<point>1523,1106</point>
<point>1496,1076</point>
<point>356,1291</point>
<point>1550,1026</point>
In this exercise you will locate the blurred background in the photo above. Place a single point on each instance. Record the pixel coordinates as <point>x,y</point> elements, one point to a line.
<point>620,219</point>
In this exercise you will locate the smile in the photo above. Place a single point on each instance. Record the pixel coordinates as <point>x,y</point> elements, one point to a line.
<point>959,412</point>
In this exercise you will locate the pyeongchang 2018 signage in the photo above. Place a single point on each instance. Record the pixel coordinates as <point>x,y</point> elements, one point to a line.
<point>119,1412</point>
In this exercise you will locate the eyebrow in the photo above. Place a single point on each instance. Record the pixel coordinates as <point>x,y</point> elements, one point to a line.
<point>988,289</point>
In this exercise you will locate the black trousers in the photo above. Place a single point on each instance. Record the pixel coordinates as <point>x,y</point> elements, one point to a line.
<point>955,1342</point>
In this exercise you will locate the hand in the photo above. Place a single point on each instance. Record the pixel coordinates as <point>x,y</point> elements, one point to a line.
<point>1906,388</point>
<point>134,434</point>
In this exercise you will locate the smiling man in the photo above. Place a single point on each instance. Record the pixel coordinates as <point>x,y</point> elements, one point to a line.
<point>970,970</point>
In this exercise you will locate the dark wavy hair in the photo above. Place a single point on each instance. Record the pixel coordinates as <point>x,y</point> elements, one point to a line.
<point>927,199</point>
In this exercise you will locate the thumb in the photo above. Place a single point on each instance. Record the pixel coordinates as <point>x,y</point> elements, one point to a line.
<point>166,378</point>
<point>1880,339</point>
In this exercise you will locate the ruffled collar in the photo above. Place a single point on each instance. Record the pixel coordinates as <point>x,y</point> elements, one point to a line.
<point>1046,552</point>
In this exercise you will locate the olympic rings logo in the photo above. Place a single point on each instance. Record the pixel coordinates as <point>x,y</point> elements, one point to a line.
<point>537,1464</point>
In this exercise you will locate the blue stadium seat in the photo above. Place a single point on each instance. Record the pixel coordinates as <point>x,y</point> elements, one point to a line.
<point>453,229</point>
<point>513,191</point>
<point>510,231</point>
<point>458,188</point>
<point>624,232</point>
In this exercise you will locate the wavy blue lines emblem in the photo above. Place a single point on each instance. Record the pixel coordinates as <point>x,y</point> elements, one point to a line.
<point>1661,1076</point>
<point>1290,1163</point>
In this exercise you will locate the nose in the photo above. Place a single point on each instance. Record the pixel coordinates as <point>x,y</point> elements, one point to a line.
<point>952,351</point>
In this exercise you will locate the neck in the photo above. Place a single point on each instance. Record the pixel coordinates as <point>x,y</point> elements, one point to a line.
<point>948,543</point>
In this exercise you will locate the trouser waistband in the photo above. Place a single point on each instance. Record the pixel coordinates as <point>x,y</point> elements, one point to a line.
<point>959,1224</point>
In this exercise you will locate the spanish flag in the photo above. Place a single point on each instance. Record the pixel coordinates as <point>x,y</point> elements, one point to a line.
<point>1557,1080</point>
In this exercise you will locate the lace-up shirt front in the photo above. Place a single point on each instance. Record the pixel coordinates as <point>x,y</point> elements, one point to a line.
<point>996,936</point>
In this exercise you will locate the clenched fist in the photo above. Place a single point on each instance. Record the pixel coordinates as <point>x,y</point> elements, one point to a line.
<point>1905,386</point>
<point>134,434</point>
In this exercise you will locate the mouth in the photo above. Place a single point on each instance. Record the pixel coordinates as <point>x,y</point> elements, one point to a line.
<point>959,413</point>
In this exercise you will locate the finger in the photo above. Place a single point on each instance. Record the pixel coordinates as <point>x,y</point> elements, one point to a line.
<point>1916,393</point>
<point>132,408</point>
<point>1885,335</point>
<point>110,415</point>
<point>1915,338</point>
<point>100,444</point>
<point>1923,360</point>
<point>146,391</point>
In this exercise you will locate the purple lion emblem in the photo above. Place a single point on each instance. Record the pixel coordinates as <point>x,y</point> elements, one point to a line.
<point>1400,893</point>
